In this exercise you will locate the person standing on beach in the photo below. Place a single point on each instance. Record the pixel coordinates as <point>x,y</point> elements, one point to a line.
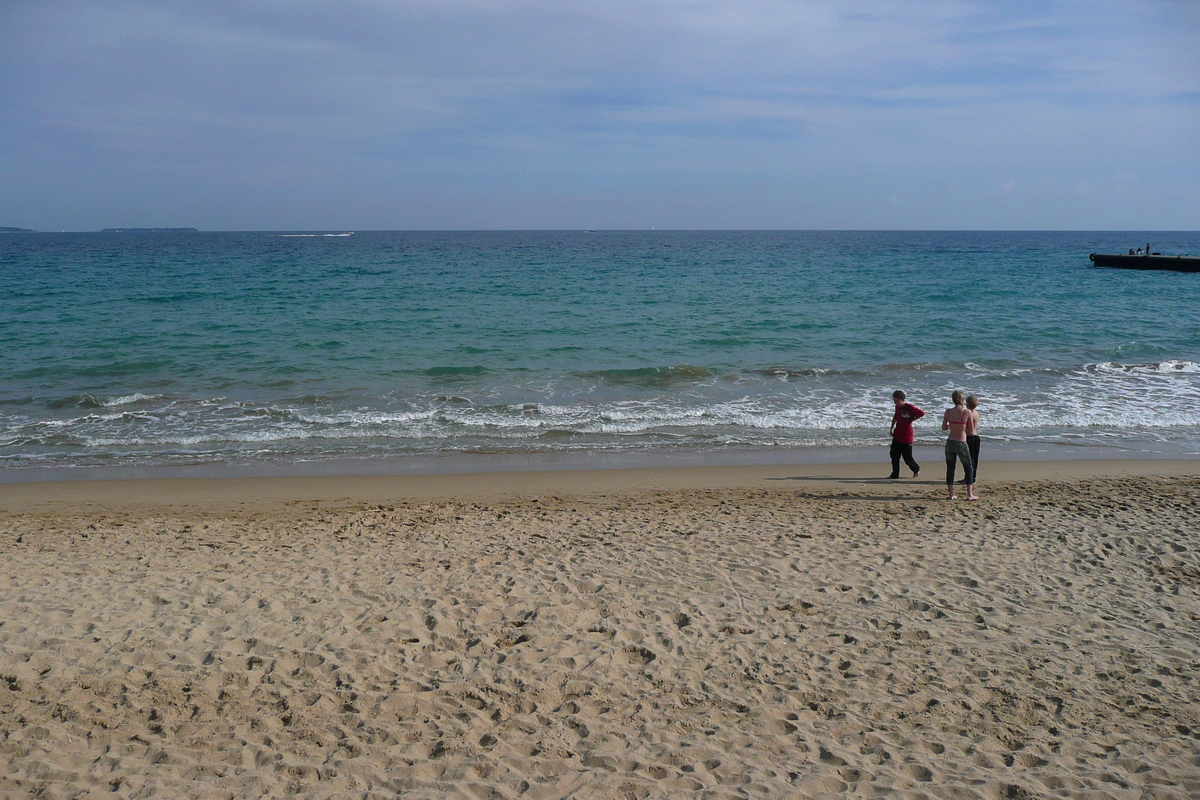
<point>902,434</point>
<point>973,435</point>
<point>955,420</point>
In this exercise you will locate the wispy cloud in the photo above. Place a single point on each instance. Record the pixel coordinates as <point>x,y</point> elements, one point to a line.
<point>460,113</point>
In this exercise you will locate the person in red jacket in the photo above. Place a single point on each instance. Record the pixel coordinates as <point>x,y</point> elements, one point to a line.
<point>902,434</point>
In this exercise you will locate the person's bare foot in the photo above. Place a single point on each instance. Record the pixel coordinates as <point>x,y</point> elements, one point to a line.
<point>916,473</point>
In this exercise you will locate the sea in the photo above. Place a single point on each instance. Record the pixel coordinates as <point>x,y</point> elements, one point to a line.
<point>142,353</point>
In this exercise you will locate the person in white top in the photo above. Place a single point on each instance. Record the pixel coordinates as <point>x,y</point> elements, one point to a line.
<point>957,421</point>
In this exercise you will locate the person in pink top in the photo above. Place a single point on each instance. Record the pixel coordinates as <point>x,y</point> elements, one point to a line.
<point>958,421</point>
<point>902,434</point>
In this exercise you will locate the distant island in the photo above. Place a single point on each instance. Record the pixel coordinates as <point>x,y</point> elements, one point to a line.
<point>16,230</point>
<point>149,230</point>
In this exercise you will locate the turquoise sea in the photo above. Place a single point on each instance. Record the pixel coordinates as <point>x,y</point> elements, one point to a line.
<point>269,351</point>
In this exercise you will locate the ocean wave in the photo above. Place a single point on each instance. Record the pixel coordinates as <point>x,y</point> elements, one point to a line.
<point>129,399</point>
<point>454,372</point>
<point>100,401</point>
<point>313,235</point>
<point>654,377</point>
<point>1063,406</point>
<point>1152,368</point>
<point>786,373</point>
<point>683,406</point>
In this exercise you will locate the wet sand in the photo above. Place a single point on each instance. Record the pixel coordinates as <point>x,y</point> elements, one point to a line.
<point>808,631</point>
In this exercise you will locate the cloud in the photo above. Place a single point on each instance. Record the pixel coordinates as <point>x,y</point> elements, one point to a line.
<point>435,103</point>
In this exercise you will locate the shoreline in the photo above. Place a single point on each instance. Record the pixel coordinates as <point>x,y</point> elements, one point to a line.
<point>459,462</point>
<point>226,494</point>
<point>92,464</point>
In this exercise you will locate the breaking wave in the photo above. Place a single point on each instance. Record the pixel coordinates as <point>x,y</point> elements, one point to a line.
<point>1103,404</point>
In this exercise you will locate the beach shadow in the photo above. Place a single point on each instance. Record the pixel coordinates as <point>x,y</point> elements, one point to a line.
<point>874,498</point>
<point>870,481</point>
<point>889,498</point>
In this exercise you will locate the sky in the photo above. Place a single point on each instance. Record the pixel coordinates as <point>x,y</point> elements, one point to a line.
<point>562,114</point>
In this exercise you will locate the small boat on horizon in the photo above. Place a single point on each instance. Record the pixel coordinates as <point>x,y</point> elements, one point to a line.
<point>1145,259</point>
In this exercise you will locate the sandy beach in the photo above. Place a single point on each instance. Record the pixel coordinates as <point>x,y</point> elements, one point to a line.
<point>808,631</point>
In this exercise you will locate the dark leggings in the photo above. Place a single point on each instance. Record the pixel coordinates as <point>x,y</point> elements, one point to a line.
<point>958,451</point>
<point>973,448</point>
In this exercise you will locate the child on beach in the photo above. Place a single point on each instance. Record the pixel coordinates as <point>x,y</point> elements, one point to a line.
<point>956,420</point>
<point>902,434</point>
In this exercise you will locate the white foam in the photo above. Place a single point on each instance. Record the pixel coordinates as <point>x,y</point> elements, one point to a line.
<point>136,397</point>
<point>1105,402</point>
<point>1153,368</point>
<point>312,235</point>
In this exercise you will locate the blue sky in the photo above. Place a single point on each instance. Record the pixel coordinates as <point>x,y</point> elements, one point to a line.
<point>465,114</point>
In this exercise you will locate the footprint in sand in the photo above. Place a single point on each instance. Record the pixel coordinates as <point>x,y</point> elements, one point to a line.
<point>638,655</point>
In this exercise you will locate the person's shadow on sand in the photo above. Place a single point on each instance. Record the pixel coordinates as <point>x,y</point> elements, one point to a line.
<point>872,481</point>
<point>859,482</point>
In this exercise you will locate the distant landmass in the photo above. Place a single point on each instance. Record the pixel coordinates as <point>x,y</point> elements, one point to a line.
<point>16,230</point>
<point>148,230</point>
